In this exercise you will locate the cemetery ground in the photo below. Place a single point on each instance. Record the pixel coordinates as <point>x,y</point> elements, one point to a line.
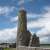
<point>9,48</point>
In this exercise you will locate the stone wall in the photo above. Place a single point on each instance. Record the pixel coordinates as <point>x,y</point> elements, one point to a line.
<point>32,48</point>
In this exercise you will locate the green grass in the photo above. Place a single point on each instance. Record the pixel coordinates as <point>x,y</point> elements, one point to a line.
<point>6,48</point>
<point>45,46</point>
<point>9,49</point>
<point>12,48</point>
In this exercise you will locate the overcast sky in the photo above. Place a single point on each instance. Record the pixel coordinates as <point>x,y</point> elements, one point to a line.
<point>38,18</point>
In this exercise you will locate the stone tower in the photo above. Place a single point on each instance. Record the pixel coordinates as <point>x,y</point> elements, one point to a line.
<point>22,21</point>
<point>23,35</point>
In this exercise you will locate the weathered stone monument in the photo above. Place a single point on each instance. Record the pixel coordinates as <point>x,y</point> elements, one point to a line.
<point>23,35</point>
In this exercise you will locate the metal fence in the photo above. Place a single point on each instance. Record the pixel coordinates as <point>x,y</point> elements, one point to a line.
<point>32,48</point>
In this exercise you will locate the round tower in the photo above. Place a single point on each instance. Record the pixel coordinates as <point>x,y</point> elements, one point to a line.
<point>22,21</point>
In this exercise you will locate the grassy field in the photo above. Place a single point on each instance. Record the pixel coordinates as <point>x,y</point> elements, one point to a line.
<point>6,48</point>
<point>45,45</point>
<point>9,48</point>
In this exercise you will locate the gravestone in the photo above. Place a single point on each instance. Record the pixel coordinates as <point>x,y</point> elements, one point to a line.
<point>1,48</point>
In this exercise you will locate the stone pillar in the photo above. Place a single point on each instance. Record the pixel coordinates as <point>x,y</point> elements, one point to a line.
<point>23,36</point>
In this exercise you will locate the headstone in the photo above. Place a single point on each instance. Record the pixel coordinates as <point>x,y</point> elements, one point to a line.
<point>1,48</point>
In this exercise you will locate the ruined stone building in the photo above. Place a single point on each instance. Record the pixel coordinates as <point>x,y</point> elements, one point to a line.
<point>35,41</point>
<point>23,35</point>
